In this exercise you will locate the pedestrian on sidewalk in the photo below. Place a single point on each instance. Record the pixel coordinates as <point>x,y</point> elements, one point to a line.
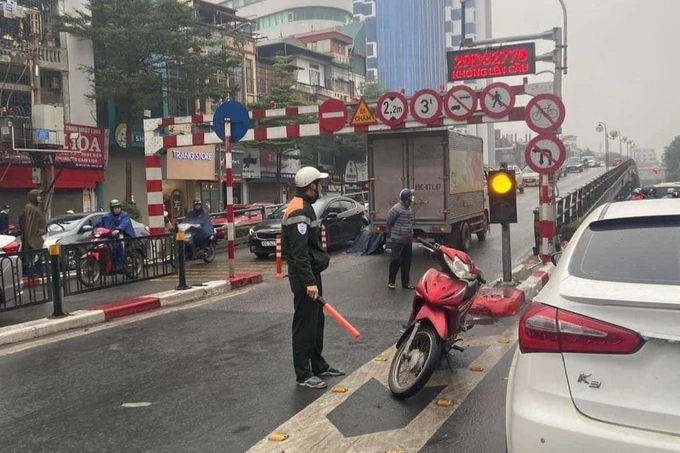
<point>400,224</point>
<point>33,227</point>
<point>301,245</point>
<point>4,220</point>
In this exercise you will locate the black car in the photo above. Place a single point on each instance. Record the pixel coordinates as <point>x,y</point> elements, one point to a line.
<point>343,218</point>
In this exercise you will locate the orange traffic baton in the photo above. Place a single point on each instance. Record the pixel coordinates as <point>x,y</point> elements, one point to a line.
<point>339,319</point>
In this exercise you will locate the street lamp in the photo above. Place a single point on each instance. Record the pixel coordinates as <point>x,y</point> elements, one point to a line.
<point>603,127</point>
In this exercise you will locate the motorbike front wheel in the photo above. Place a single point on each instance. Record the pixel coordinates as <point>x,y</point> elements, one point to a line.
<point>89,272</point>
<point>210,252</point>
<point>134,263</point>
<point>410,370</point>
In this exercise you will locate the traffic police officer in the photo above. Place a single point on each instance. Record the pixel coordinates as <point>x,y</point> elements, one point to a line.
<point>301,245</point>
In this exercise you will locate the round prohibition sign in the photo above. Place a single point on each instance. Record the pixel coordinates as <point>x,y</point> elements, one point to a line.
<point>392,108</point>
<point>460,103</point>
<point>426,106</point>
<point>545,113</point>
<point>545,154</point>
<point>497,100</point>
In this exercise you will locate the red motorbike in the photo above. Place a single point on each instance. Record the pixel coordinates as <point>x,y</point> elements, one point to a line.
<point>99,259</point>
<point>440,305</point>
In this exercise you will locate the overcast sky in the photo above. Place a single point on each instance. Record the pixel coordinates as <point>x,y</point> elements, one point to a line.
<point>623,65</point>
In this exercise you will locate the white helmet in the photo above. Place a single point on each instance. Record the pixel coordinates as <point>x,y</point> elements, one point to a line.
<point>307,175</point>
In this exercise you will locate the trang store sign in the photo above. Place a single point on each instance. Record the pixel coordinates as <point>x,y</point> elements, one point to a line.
<point>191,163</point>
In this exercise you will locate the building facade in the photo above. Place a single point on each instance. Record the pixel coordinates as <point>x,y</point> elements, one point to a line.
<point>281,18</point>
<point>645,155</point>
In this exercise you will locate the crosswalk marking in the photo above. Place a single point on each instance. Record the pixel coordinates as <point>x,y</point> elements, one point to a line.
<point>310,429</point>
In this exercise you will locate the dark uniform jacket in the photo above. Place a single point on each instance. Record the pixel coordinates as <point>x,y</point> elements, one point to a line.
<point>400,223</point>
<point>301,241</point>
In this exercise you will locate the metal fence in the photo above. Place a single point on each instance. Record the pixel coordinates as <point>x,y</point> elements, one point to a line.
<point>112,262</point>
<point>579,203</point>
<point>25,279</point>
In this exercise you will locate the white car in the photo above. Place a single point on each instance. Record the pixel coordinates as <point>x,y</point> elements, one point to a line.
<point>519,177</point>
<point>530,177</point>
<point>598,363</point>
<point>11,272</point>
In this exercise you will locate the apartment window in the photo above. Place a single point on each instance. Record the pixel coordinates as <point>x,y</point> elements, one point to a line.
<point>314,76</point>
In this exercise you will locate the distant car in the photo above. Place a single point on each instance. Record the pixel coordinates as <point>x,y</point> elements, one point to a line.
<point>77,228</point>
<point>249,218</point>
<point>530,177</point>
<point>598,360</point>
<point>519,177</point>
<point>343,218</point>
<point>574,165</point>
<point>11,270</point>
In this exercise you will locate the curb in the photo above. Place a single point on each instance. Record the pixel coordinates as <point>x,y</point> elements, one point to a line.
<point>503,301</point>
<point>107,312</point>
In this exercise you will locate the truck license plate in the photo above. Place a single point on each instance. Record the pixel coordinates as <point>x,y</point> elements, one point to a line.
<point>268,243</point>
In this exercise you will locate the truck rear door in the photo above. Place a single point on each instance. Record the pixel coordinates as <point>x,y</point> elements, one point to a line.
<point>386,160</point>
<point>427,175</point>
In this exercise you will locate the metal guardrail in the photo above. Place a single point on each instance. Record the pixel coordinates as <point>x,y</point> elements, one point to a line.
<point>106,263</point>
<point>580,202</point>
<point>24,279</point>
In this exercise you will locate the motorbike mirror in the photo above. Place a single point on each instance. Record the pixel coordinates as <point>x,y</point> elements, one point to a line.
<point>332,215</point>
<point>86,229</point>
<point>555,258</point>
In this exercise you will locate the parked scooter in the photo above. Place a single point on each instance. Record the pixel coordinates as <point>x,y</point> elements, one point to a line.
<point>100,261</point>
<point>206,252</point>
<point>440,305</point>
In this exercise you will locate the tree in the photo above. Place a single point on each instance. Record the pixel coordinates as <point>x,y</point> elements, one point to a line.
<point>282,94</point>
<point>138,44</point>
<point>373,90</point>
<point>671,160</point>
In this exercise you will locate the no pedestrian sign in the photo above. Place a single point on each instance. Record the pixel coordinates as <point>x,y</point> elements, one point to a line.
<point>545,154</point>
<point>544,113</point>
<point>497,100</point>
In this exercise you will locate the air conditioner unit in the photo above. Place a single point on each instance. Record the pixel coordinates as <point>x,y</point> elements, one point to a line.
<point>47,124</point>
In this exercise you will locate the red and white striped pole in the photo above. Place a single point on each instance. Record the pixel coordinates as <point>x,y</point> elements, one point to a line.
<point>229,183</point>
<point>279,262</point>
<point>547,222</point>
<point>324,241</point>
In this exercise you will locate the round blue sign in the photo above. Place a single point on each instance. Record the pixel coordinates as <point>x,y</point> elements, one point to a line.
<point>237,114</point>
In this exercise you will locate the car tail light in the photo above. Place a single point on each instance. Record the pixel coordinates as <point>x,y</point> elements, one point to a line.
<point>12,247</point>
<point>543,328</point>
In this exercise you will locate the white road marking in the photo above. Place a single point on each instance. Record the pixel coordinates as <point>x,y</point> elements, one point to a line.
<point>119,322</point>
<point>333,115</point>
<point>310,430</point>
<point>144,404</point>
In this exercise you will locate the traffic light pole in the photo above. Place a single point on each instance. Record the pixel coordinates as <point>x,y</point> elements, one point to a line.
<point>507,255</point>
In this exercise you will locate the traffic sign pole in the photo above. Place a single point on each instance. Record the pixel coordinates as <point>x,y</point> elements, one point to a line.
<point>229,183</point>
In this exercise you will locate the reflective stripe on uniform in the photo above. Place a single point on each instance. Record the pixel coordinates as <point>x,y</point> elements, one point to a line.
<point>298,219</point>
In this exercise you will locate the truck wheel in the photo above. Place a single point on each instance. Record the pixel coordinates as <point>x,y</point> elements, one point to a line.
<point>465,237</point>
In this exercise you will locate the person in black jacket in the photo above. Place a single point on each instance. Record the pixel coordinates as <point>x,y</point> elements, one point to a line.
<point>301,246</point>
<point>4,220</point>
<point>400,224</point>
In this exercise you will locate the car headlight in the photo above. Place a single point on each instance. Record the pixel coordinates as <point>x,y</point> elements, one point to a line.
<point>49,242</point>
<point>252,233</point>
<point>459,268</point>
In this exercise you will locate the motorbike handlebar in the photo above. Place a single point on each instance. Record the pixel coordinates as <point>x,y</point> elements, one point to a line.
<point>426,244</point>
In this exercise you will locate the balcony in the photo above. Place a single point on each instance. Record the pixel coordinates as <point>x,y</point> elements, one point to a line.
<point>54,58</point>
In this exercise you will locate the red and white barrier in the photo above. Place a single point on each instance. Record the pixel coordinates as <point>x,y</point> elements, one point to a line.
<point>229,183</point>
<point>279,262</point>
<point>324,240</point>
<point>547,225</point>
<point>154,189</point>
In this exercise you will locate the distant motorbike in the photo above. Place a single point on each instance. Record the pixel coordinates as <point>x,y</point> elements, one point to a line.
<point>99,260</point>
<point>206,252</point>
<point>440,305</point>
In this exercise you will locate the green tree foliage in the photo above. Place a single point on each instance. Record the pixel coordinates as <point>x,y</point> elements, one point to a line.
<point>373,90</point>
<point>671,160</point>
<point>138,43</point>
<point>132,210</point>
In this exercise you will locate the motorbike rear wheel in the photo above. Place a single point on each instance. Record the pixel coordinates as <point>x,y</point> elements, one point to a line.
<point>210,253</point>
<point>89,272</point>
<point>134,263</point>
<point>421,361</point>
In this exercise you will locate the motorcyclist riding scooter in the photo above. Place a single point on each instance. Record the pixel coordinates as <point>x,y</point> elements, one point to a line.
<point>199,234</point>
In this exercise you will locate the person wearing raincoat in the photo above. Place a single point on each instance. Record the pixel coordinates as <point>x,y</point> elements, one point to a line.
<point>200,217</point>
<point>118,222</point>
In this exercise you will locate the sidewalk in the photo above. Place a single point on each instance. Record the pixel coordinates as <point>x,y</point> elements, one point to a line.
<point>197,272</point>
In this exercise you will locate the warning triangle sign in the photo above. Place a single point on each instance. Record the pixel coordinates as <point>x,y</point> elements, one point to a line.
<point>362,115</point>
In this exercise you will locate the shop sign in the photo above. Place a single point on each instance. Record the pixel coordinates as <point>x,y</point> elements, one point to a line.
<point>90,146</point>
<point>251,164</point>
<point>120,137</point>
<point>191,163</point>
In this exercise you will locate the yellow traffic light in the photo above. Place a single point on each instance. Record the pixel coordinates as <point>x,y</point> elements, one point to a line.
<point>500,183</point>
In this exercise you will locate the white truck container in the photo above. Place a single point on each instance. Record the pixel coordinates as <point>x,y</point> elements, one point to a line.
<point>446,171</point>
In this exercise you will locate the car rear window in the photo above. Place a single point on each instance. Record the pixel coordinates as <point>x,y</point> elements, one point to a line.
<point>630,250</point>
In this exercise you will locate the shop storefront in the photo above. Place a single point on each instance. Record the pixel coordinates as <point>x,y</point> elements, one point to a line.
<point>259,177</point>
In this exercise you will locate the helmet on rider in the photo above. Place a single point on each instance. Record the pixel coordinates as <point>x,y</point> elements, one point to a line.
<point>115,203</point>
<point>198,204</point>
<point>406,195</point>
<point>307,176</point>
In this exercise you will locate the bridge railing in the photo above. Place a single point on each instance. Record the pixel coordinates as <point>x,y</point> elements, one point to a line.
<point>577,204</point>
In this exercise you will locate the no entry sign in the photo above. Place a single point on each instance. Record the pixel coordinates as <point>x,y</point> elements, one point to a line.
<point>392,108</point>
<point>545,113</point>
<point>426,106</point>
<point>332,115</point>
<point>460,103</point>
<point>545,154</point>
<point>497,100</point>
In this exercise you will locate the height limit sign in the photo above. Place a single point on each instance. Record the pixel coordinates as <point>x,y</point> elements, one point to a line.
<point>545,154</point>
